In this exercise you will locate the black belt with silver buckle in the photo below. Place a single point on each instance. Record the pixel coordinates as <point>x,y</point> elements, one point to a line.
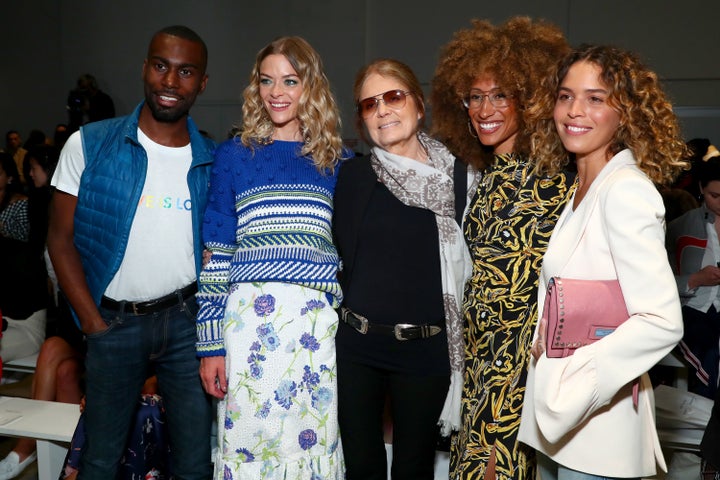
<point>401,331</point>
<point>151,306</point>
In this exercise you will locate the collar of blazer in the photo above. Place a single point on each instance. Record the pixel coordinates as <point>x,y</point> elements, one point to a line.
<point>570,231</point>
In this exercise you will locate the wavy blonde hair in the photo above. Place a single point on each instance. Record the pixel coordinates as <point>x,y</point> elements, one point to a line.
<point>648,126</point>
<point>317,111</point>
<point>517,54</point>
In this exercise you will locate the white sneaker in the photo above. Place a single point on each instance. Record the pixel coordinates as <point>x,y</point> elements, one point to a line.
<point>11,466</point>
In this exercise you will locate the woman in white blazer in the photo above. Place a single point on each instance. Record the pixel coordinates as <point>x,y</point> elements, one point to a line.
<point>609,112</point>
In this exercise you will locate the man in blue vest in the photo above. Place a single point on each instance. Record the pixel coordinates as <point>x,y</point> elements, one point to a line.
<point>126,246</point>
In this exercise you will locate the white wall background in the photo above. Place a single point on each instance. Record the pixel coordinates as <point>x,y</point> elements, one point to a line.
<point>46,44</point>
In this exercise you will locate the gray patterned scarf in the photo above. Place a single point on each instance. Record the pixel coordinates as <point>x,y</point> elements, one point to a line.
<point>430,186</point>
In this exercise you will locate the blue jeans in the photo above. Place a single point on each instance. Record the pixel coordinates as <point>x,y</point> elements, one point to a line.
<point>549,469</point>
<point>118,362</point>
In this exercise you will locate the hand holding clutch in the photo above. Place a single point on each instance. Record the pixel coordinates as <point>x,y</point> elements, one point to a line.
<point>579,313</point>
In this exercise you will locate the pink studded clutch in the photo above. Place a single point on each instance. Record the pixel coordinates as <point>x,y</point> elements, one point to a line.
<point>581,312</point>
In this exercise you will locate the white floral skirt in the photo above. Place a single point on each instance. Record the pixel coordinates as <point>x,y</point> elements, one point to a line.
<point>279,417</point>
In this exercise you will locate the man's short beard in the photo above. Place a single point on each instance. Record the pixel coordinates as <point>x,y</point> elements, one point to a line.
<point>166,115</point>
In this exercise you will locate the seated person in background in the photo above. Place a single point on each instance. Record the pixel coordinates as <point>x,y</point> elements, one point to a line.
<point>87,103</point>
<point>147,452</point>
<point>13,146</point>
<point>35,139</point>
<point>694,253</point>
<point>23,280</point>
<point>14,223</point>
<point>700,152</point>
<point>57,378</point>
<point>59,364</point>
<point>41,162</point>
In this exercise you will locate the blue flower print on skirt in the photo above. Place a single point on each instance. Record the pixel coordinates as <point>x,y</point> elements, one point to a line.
<point>307,439</point>
<point>279,417</point>
<point>267,335</point>
<point>264,305</point>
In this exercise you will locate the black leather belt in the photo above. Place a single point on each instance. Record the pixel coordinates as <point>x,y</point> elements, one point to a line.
<point>151,306</point>
<point>401,331</point>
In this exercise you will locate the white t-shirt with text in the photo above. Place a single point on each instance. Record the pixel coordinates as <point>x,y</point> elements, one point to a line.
<point>159,258</point>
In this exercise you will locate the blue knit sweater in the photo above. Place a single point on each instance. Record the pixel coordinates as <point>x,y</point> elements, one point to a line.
<point>268,219</point>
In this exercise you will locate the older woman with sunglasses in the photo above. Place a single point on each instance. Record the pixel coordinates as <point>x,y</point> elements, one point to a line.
<point>479,94</point>
<point>396,226</point>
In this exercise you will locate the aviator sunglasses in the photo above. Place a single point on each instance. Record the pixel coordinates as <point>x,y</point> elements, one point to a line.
<point>394,99</point>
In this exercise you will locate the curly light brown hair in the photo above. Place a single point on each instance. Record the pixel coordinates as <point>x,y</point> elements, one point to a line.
<point>648,126</point>
<point>516,54</point>
<point>317,111</point>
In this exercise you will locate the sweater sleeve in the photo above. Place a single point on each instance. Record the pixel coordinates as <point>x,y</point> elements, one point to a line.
<point>219,237</point>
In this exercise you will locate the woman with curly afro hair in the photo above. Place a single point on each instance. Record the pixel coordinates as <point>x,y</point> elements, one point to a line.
<point>480,94</point>
<point>582,412</point>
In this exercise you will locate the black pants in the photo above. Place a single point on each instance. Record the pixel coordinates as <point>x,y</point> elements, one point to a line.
<point>415,406</point>
<point>700,348</point>
<point>710,445</point>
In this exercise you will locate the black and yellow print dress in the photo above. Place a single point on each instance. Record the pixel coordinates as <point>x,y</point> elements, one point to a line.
<point>507,229</point>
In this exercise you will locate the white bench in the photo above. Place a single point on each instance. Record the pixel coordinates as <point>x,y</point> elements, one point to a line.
<point>24,365</point>
<point>51,424</point>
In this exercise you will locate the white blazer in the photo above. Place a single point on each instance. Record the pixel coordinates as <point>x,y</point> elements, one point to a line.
<point>578,410</point>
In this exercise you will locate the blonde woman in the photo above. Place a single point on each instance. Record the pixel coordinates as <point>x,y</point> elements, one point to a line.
<point>266,326</point>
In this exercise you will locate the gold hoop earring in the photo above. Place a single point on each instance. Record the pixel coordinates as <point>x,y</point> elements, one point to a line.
<point>471,130</point>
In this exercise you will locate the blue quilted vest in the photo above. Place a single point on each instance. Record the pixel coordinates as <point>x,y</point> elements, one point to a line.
<point>110,189</point>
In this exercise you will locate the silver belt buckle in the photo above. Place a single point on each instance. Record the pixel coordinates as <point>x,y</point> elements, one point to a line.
<point>399,329</point>
<point>364,323</point>
<point>135,308</point>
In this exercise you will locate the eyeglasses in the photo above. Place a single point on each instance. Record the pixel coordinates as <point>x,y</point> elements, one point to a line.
<point>496,98</point>
<point>394,99</point>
